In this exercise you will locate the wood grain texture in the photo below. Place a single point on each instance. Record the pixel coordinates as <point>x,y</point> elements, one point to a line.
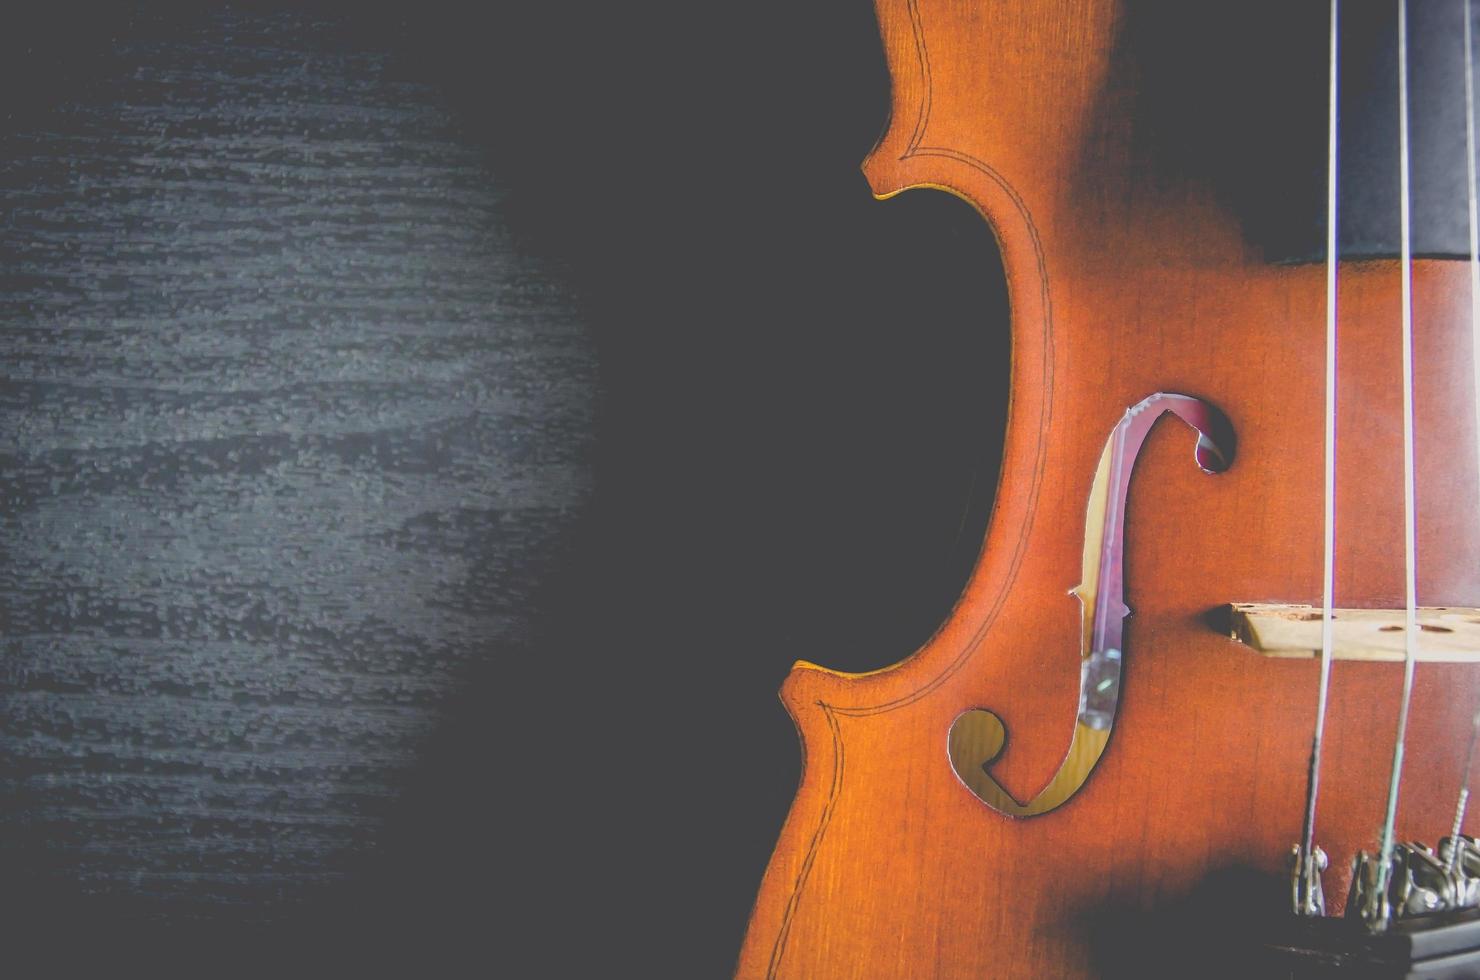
<point>1122,283</point>
<point>291,431</point>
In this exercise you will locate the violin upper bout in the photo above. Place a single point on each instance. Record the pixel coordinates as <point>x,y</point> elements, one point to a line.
<point>909,73</point>
<point>1002,90</point>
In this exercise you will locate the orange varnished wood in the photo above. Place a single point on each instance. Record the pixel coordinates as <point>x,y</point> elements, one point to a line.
<point>1120,287</point>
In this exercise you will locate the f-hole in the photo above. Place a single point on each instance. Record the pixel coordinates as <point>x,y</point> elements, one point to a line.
<point>977,737</point>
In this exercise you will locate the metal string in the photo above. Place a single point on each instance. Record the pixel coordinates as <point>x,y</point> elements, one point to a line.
<point>1410,623</point>
<point>1464,792</point>
<point>1308,903</point>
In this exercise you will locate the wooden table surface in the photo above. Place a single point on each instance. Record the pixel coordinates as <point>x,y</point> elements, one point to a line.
<point>291,432</point>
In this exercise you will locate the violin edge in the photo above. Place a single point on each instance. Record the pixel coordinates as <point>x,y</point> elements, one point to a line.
<point>815,696</point>
<point>899,162</point>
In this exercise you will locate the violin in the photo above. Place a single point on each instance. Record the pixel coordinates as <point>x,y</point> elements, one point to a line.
<point>1206,705</point>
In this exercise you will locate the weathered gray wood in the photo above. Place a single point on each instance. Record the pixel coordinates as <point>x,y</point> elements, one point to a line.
<point>290,433</point>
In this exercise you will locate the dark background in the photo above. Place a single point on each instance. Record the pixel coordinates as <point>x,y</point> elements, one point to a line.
<point>428,439</point>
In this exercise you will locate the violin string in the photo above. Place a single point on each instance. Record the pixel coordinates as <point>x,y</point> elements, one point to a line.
<point>1328,580</point>
<point>1464,791</point>
<point>1410,622</point>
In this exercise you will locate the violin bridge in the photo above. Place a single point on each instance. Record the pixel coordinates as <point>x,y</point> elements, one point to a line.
<point>1450,634</point>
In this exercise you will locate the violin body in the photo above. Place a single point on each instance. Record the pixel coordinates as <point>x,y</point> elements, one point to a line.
<point>1121,287</point>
